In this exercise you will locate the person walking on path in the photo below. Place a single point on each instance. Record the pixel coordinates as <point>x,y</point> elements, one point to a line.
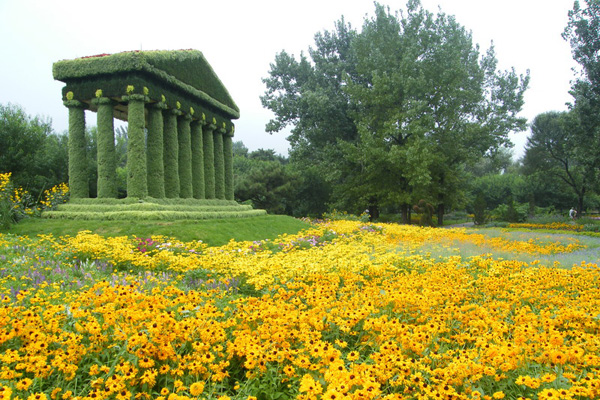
<point>572,213</point>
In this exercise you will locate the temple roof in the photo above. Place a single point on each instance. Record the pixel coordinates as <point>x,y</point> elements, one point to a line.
<point>181,78</point>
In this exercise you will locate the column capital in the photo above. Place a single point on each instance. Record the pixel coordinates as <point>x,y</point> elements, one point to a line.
<point>159,105</point>
<point>103,100</point>
<point>136,97</point>
<point>74,104</point>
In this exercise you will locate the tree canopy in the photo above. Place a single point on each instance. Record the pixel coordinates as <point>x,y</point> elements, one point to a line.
<point>395,112</point>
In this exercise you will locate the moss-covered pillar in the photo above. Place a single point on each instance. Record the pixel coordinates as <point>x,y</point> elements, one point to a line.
<point>171,153</point>
<point>137,183</point>
<point>107,158</point>
<point>197,160</point>
<point>185,156</point>
<point>209,161</point>
<point>228,159</point>
<point>219,164</point>
<point>78,174</point>
<point>154,153</point>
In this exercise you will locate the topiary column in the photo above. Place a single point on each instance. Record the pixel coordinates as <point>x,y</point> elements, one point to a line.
<point>185,156</point>
<point>78,174</point>
<point>107,158</point>
<point>228,159</point>
<point>209,161</point>
<point>155,147</point>
<point>137,184</point>
<point>197,160</point>
<point>219,164</point>
<point>171,154</point>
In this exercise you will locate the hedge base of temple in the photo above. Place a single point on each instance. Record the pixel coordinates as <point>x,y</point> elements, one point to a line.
<point>151,209</point>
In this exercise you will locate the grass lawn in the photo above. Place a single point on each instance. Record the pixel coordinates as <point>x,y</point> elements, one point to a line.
<point>214,232</point>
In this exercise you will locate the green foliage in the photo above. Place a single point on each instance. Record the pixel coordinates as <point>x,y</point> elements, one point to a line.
<point>106,156</point>
<point>219,165</point>
<point>31,151</point>
<point>152,215</point>
<point>171,155</point>
<point>197,161</point>
<point>511,212</point>
<point>137,186</point>
<point>228,165</point>
<point>266,184</point>
<point>425,211</point>
<point>155,151</point>
<point>396,112</point>
<point>185,157</point>
<point>553,153</point>
<point>209,161</point>
<point>185,71</point>
<point>78,165</point>
<point>479,209</point>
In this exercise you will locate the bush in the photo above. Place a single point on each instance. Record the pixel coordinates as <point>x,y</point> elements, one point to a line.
<point>15,203</point>
<point>512,212</point>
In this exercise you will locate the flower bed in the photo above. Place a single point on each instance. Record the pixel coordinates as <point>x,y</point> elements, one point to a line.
<point>344,310</point>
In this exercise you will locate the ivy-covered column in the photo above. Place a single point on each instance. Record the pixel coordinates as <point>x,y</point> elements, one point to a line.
<point>228,159</point>
<point>107,158</point>
<point>171,154</point>
<point>209,161</point>
<point>219,164</point>
<point>154,153</point>
<point>78,174</point>
<point>197,160</point>
<point>137,184</point>
<point>185,156</point>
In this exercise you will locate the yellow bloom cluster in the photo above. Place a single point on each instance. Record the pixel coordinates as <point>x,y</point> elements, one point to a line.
<point>563,226</point>
<point>57,194</point>
<point>346,310</point>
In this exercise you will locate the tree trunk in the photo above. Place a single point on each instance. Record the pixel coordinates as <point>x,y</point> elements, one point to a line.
<point>440,214</point>
<point>405,210</point>
<point>580,203</point>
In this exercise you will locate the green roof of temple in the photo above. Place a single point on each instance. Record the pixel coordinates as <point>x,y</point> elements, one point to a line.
<point>182,76</point>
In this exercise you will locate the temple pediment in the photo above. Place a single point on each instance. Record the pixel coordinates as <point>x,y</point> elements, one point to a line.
<point>182,79</point>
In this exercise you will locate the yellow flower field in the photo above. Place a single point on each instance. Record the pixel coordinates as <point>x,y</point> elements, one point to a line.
<point>345,310</point>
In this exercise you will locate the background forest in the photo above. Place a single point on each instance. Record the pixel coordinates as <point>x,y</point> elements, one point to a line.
<point>405,115</point>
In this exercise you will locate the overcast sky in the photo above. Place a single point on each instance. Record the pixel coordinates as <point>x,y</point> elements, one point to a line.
<point>240,39</point>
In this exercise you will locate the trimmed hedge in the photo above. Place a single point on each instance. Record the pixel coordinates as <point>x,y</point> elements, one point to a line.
<point>185,156</point>
<point>137,179</point>
<point>171,154</point>
<point>209,161</point>
<point>107,158</point>
<point>150,207</point>
<point>151,215</point>
<point>197,161</point>
<point>219,165</point>
<point>155,201</point>
<point>193,81</point>
<point>154,151</point>
<point>78,174</point>
<point>228,162</point>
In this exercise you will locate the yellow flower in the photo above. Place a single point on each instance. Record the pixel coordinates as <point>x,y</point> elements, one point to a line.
<point>196,388</point>
<point>98,93</point>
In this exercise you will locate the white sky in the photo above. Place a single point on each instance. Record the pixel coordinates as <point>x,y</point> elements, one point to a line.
<point>240,38</point>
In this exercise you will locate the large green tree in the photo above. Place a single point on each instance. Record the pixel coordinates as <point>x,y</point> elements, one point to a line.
<point>395,112</point>
<point>553,151</point>
<point>583,34</point>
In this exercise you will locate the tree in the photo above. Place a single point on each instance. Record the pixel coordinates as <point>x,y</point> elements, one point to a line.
<point>397,111</point>
<point>36,156</point>
<point>552,151</point>
<point>583,34</point>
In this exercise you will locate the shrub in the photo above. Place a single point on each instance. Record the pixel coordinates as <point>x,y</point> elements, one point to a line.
<point>15,203</point>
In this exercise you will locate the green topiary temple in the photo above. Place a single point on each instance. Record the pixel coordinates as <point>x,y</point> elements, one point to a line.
<point>179,118</point>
